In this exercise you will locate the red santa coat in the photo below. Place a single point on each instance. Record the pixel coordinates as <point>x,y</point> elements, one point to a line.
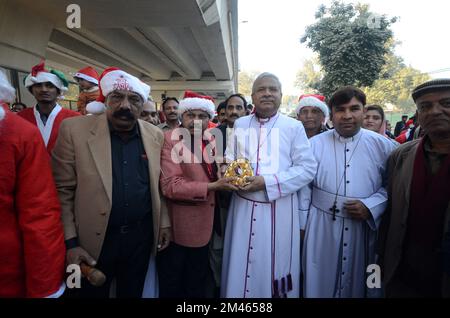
<point>32,250</point>
<point>28,114</point>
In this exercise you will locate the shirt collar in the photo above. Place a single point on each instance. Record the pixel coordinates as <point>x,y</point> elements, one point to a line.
<point>265,120</point>
<point>349,139</point>
<point>135,132</point>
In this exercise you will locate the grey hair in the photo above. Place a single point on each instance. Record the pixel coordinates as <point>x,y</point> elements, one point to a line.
<point>264,75</point>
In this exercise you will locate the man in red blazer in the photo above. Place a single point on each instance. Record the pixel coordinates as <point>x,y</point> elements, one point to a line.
<point>32,247</point>
<point>47,115</point>
<point>189,179</point>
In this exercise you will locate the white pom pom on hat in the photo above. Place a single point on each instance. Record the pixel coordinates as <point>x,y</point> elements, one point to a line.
<point>95,108</point>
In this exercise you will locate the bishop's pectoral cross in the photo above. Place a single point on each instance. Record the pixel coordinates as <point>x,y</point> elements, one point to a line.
<point>334,209</point>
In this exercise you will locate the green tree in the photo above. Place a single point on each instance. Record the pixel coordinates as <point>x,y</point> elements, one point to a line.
<point>351,44</point>
<point>245,81</point>
<point>309,77</point>
<point>395,84</point>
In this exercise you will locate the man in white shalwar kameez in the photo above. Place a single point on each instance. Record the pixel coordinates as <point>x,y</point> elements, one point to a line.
<point>262,242</point>
<point>345,201</point>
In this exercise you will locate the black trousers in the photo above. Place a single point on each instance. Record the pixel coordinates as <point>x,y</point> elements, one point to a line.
<point>125,256</point>
<point>182,271</point>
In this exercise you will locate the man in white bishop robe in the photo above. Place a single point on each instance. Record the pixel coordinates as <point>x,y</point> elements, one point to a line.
<point>342,207</point>
<point>262,238</point>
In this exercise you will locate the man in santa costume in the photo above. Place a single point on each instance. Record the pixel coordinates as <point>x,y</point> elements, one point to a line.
<point>46,86</point>
<point>87,79</point>
<point>31,233</point>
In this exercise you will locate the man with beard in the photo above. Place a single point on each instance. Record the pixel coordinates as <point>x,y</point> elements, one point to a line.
<point>107,169</point>
<point>47,115</point>
<point>262,245</point>
<point>313,113</point>
<point>343,205</point>
<point>31,234</point>
<point>170,110</point>
<point>189,180</point>
<point>415,233</point>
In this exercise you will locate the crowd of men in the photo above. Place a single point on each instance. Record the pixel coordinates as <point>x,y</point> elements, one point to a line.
<point>112,188</point>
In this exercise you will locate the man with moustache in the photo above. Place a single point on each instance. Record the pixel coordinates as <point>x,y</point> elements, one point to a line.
<point>235,107</point>
<point>170,110</point>
<point>46,86</point>
<point>107,170</point>
<point>31,234</point>
<point>415,233</point>
<point>262,247</point>
<point>343,205</point>
<point>189,180</point>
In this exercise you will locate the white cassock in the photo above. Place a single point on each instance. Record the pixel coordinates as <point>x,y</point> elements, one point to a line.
<point>337,252</point>
<point>262,243</point>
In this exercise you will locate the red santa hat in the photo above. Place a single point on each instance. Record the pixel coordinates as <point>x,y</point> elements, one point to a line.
<point>312,100</point>
<point>40,75</point>
<point>194,101</point>
<point>89,74</point>
<point>113,79</point>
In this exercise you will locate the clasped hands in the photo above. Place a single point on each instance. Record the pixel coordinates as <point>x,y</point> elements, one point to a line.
<point>253,184</point>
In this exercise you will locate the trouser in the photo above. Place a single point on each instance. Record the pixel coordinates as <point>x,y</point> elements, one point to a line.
<point>182,271</point>
<point>124,257</point>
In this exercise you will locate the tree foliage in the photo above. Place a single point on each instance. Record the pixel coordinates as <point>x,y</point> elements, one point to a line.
<point>394,86</point>
<point>310,76</point>
<point>351,44</point>
<point>396,90</point>
<point>245,81</point>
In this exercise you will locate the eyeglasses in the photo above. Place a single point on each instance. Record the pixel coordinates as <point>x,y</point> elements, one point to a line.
<point>134,99</point>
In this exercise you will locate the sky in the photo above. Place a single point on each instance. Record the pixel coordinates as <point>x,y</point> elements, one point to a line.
<point>270,32</point>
